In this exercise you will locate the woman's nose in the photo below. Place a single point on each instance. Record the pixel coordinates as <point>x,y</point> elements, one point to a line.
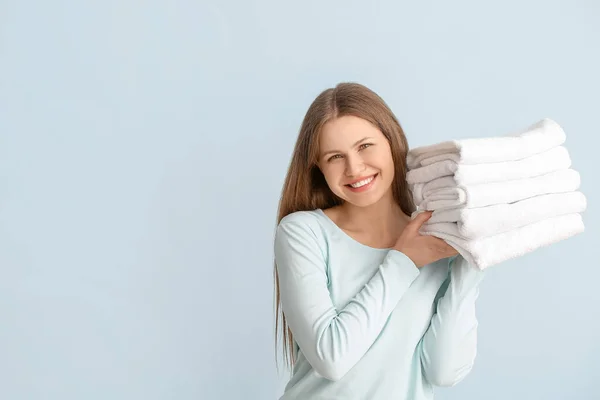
<point>354,166</point>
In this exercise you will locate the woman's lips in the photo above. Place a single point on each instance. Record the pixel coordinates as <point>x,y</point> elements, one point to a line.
<point>364,187</point>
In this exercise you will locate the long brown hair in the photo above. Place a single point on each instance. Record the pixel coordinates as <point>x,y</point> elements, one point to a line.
<point>305,187</point>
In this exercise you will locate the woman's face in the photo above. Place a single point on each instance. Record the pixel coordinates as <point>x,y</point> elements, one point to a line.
<point>356,160</point>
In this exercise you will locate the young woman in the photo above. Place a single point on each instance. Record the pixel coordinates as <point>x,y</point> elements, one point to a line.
<point>368,307</point>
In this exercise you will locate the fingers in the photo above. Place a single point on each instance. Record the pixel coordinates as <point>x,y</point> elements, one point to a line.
<point>418,221</point>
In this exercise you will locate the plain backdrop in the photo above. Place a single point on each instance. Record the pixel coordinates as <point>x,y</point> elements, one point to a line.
<point>143,145</point>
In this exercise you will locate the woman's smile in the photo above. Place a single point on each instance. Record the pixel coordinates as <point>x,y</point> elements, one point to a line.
<point>362,185</point>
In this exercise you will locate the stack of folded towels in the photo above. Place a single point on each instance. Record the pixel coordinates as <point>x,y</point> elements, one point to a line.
<point>498,198</point>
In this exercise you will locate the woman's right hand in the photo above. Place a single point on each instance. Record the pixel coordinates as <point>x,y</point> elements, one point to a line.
<point>422,249</point>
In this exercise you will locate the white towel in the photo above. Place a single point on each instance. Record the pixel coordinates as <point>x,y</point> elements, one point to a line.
<point>535,139</point>
<point>472,223</point>
<point>485,252</point>
<point>444,194</point>
<point>551,160</point>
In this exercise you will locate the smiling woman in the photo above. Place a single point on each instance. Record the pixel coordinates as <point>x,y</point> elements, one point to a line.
<point>368,307</point>
<point>363,165</point>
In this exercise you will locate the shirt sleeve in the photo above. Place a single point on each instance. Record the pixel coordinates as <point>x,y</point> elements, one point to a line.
<point>334,340</point>
<point>449,346</point>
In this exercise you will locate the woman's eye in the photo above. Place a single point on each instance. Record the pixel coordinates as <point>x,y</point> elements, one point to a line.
<point>361,147</point>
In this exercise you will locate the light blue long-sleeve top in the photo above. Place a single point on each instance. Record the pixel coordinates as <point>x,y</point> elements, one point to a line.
<point>367,323</point>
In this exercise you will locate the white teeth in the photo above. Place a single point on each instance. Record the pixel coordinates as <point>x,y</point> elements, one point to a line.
<point>362,183</point>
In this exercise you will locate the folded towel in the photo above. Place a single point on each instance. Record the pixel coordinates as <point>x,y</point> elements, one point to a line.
<point>472,223</point>
<point>444,194</point>
<point>535,139</point>
<point>485,252</point>
<point>551,160</point>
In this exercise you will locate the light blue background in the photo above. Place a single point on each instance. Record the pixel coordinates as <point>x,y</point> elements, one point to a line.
<point>144,145</point>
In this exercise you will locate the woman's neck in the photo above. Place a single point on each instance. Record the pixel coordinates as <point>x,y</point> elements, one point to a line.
<point>381,222</point>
